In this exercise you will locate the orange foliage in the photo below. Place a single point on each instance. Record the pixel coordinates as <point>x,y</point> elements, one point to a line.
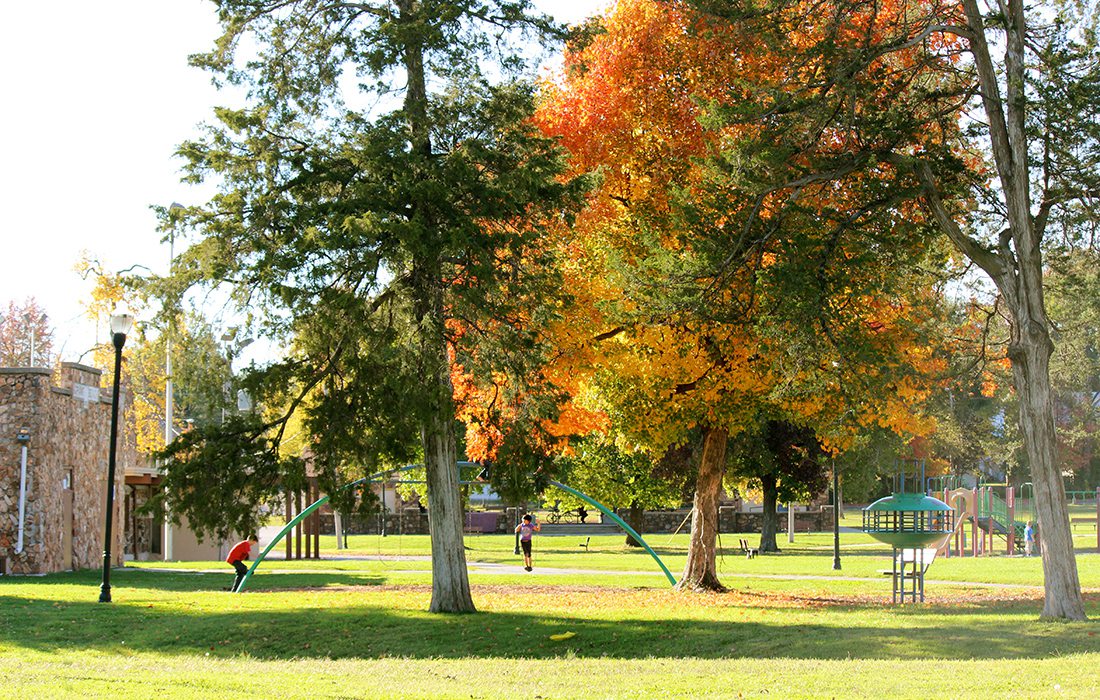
<point>630,105</point>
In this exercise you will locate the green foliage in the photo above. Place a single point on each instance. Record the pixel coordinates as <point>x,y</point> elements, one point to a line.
<point>1063,89</point>
<point>223,476</point>
<point>618,478</point>
<point>522,469</point>
<point>370,232</point>
<point>1072,293</point>
<point>202,385</point>
<point>780,456</point>
<point>866,468</point>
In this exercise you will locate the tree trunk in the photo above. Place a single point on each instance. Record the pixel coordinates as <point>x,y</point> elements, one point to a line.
<point>1021,283</point>
<point>1030,355</point>
<point>1015,265</point>
<point>635,517</point>
<point>450,580</point>
<point>699,572</point>
<point>769,519</point>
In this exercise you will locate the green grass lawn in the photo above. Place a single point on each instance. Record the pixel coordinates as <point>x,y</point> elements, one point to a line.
<point>358,628</point>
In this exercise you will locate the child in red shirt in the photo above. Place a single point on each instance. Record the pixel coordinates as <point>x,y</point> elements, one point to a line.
<point>237,556</point>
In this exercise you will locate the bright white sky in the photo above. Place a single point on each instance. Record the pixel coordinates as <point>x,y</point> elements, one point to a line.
<point>96,97</point>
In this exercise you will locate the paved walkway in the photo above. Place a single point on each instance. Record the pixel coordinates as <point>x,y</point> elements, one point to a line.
<point>517,570</point>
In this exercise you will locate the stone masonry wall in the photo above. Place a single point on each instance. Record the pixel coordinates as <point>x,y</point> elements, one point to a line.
<point>69,434</point>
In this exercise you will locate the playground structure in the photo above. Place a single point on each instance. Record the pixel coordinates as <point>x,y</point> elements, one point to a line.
<point>307,529</point>
<point>990,513</point>
<point>294,524</point>
<point>913,524</point>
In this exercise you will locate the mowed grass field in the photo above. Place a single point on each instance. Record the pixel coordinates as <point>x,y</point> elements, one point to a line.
<point>356,627</point>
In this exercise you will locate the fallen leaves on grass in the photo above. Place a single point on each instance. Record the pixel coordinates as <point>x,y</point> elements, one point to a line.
<point>499,597</point>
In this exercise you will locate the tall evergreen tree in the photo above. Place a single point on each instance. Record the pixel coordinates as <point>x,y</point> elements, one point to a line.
<point>382,182</point>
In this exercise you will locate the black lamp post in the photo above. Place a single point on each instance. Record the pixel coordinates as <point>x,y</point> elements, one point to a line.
<point>836,519</point>
<point>121,322</point>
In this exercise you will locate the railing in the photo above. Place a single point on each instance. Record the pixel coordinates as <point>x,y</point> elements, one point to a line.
<point>1081,497</point>
<point>990,505</point>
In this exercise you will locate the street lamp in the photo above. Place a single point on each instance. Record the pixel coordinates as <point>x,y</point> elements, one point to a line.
<point>836,519</point>
<point>836,479</point>
<point>31,320</point>
<point>175,209</point>
<point>121,322</point>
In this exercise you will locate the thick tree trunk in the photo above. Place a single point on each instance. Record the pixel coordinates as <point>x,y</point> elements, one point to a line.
<point>1030,355</point>
<point>700,572</point>
<point>635,517</point>
<point>770,519</point>
<point>450,580</point>
<point>1015,265</point>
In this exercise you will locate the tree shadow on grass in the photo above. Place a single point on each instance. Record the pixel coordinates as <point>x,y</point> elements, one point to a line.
<point>212,580</point>
<point>360,623</point>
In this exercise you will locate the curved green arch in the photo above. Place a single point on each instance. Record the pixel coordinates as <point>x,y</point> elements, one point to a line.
<point>309,511</point>
<point>324,499</point>
<point>621,523</point>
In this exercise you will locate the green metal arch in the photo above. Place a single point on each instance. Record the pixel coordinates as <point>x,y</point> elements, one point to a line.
<point>621,523</point>
<point>309,511</point>
<point>324,499</point>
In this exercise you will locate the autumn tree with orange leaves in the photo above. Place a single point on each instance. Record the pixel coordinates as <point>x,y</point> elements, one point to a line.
<point>701,306</point>
<point>1020,182</point>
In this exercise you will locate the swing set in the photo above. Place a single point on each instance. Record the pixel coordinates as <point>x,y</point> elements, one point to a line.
<point>309,510</point>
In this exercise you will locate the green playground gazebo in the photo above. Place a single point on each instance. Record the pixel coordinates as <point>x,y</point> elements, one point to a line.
<point>914,525</point>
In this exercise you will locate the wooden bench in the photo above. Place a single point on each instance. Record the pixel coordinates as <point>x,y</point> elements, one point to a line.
<point>1074,522</point>
<point>749,552</point>
<point>585,543</point>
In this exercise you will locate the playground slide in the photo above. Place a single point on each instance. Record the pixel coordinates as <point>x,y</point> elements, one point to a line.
<point>961,521</point>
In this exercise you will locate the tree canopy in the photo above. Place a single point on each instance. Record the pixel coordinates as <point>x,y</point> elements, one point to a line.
<point>383,180</point>
<point>1021,175</point>
<point>23,326</point>
<point>704,304</point>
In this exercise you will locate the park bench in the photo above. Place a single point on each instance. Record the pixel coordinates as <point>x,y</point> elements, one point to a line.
<point>585,543</point>
<point>1074,522</point>
<point>748,551</point>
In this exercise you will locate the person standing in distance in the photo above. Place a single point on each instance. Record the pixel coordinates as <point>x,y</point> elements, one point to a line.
<point>526,530</point>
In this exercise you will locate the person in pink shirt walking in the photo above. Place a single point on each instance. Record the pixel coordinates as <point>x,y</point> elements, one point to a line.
<point>526,530</point>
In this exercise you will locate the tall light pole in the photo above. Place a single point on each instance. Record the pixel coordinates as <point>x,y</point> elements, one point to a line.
<point>836,518</point>
<point>121,322</point>
<point>32,322</point>
<point>174,209</point>
<point>836,478</point>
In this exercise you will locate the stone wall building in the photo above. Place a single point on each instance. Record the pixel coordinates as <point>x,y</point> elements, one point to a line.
<point>64,430</point>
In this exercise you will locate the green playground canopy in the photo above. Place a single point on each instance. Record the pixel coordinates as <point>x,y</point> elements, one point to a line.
<point>909,520</point>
